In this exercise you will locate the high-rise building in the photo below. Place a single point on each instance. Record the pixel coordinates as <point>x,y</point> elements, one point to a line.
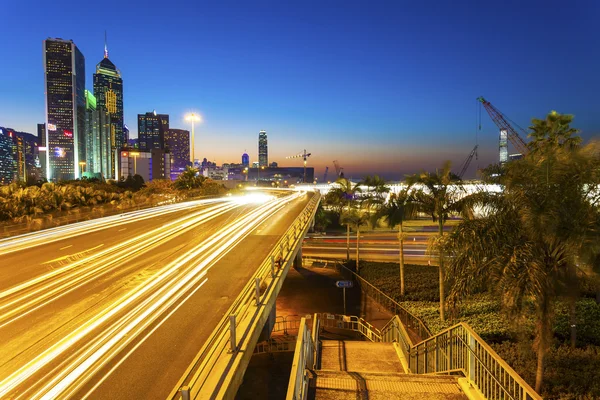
<point>125,135</point>
<point>150,165</point>
<point>164,120</point>
<point>151,131</point>
<point>263,153</point>
<point>7,164</point>
<point>178,143</point>
<point>99,152</point>
<point>108,90</point>
<point>245,160</point>
<point>64,83</point>
<point>41,132</point>
<point>22,147</point>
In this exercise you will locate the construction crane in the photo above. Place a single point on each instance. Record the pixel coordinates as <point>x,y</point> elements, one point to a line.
<point>338,170</point>
<point>467,162</point>
<point>325,175</point>
<point>304,155</point>
<point>501,122</point>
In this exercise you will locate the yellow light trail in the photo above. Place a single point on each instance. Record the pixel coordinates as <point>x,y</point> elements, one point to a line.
<point>103,336</point>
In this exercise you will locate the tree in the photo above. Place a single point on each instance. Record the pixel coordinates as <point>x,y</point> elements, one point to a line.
<point>353,218</point>
<point>399,208</point>
<point>189,179</point>
<point>374,198</point>
<point>439,195</point>
<point>540,227</point>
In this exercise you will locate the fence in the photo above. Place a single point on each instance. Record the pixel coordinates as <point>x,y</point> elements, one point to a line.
<point>459,348</point>
<point>412,323</point>
<point>304,357</point>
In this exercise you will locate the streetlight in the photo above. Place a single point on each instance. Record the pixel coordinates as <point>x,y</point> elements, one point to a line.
<point>192,117</point>
<point>82,164</point>
<point>245,172</point>
<point>258,174</point>
<point>135,154</point>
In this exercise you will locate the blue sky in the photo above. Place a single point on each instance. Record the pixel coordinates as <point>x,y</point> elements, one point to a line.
<point>383,87</point>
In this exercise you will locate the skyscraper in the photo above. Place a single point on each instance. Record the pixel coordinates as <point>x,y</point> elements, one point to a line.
<point>151,131</point>
<point>108,90</point>
<point>178,143</point>
<point>64,83</point>
<point>41,132</point>
<point>98,128</point>
<point>245,160</point>
<point>263,153</point>
<point>7,162</point>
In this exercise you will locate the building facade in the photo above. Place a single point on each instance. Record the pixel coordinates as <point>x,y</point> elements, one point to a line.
<point>108,90</point>
<point>151,130</point>
<point>177,141</point>
<point>19,156</point>
<point>150,165</point>
<point>245,160</point>
<point>99,152</point>
<point>64,84</point>
<point>263,152</point>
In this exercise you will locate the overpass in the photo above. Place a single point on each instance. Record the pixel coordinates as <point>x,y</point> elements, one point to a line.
<point>118,307</point>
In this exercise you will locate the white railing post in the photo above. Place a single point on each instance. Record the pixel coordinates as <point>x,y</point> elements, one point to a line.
<point>232,338</point>
<point>185,393</point>
<point>257,291</point>
<point>471,371</point>
<point>273,267</point>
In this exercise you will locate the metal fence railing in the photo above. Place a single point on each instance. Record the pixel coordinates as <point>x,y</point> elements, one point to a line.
<point>459,348</point>
<point>303,360</point>
<point>412,323</point>
<point>222,349</point>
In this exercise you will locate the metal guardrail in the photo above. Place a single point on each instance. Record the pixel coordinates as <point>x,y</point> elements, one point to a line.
<point>350,322</point>
<point>304,358</point>
<point>459,348</point>
<point>409,320</point>
<point>233,340</point>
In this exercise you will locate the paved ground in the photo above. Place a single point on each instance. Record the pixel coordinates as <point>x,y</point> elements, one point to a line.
<point>80,294</point>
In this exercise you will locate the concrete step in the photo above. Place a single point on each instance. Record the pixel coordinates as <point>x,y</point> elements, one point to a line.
<point>359,356</point>
<point>334,385</point>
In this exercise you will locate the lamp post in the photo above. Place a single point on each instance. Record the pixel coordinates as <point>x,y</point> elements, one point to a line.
<point>258,174</point>
<point>134,154</point>
<point>246,174</point>
<point>192,117</point>
<point>81,164</point>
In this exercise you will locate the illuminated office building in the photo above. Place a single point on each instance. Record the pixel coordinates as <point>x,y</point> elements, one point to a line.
<point>64,85</point>
<point>263,153</point>
<point>99,151</point>
<point>151,130</point>
<point>108,90</point>
<point>177,141</point>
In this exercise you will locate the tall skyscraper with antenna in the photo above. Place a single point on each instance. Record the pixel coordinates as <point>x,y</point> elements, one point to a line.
<point>108,90</point>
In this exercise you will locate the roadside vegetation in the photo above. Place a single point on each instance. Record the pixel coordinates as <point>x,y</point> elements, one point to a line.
<point>523,272</point>
<point>44,200</point>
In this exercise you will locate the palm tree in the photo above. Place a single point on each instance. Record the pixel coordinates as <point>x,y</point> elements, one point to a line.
<point>353,218</point>
<point>374,199</point>
<point>440,195</point>
<point>540,227</point>
<point>399,208</point>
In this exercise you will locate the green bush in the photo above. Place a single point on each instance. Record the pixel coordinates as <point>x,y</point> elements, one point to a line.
<point>569,374</point>
<point>587,322</point>
<point>421,281</point>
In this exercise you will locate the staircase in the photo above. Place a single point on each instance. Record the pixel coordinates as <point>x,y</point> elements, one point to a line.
<point>367,370</point>
<point>453,364</point>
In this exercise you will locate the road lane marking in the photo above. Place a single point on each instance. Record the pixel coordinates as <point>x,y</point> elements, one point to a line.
<point>121,230</point>
<point>66,247</point>
<point>71,255</point>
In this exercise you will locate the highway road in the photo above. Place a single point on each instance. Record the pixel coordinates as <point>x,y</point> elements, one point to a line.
<point>373,246</point>
<point>117,308</point>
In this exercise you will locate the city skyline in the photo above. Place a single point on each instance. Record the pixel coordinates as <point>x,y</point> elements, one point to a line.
<point>366,85</point>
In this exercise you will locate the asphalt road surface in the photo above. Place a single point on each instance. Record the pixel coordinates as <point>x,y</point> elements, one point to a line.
<point>117,308</point>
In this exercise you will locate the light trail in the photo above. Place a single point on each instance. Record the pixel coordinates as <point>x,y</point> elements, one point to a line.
<point>65,365</point>
<point>29,240</point>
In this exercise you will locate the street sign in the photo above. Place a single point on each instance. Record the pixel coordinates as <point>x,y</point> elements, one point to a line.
<point>344,284</point>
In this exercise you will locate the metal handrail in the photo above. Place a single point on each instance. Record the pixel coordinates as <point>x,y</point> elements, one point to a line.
<point>246,306</point>
<point>303,359</point>
<point>460,348</point>
<point>409,320</point>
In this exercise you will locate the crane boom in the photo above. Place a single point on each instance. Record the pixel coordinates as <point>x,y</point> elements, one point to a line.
<point>501,122</point>
<point>304,155</point>
<point>467,162</point>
